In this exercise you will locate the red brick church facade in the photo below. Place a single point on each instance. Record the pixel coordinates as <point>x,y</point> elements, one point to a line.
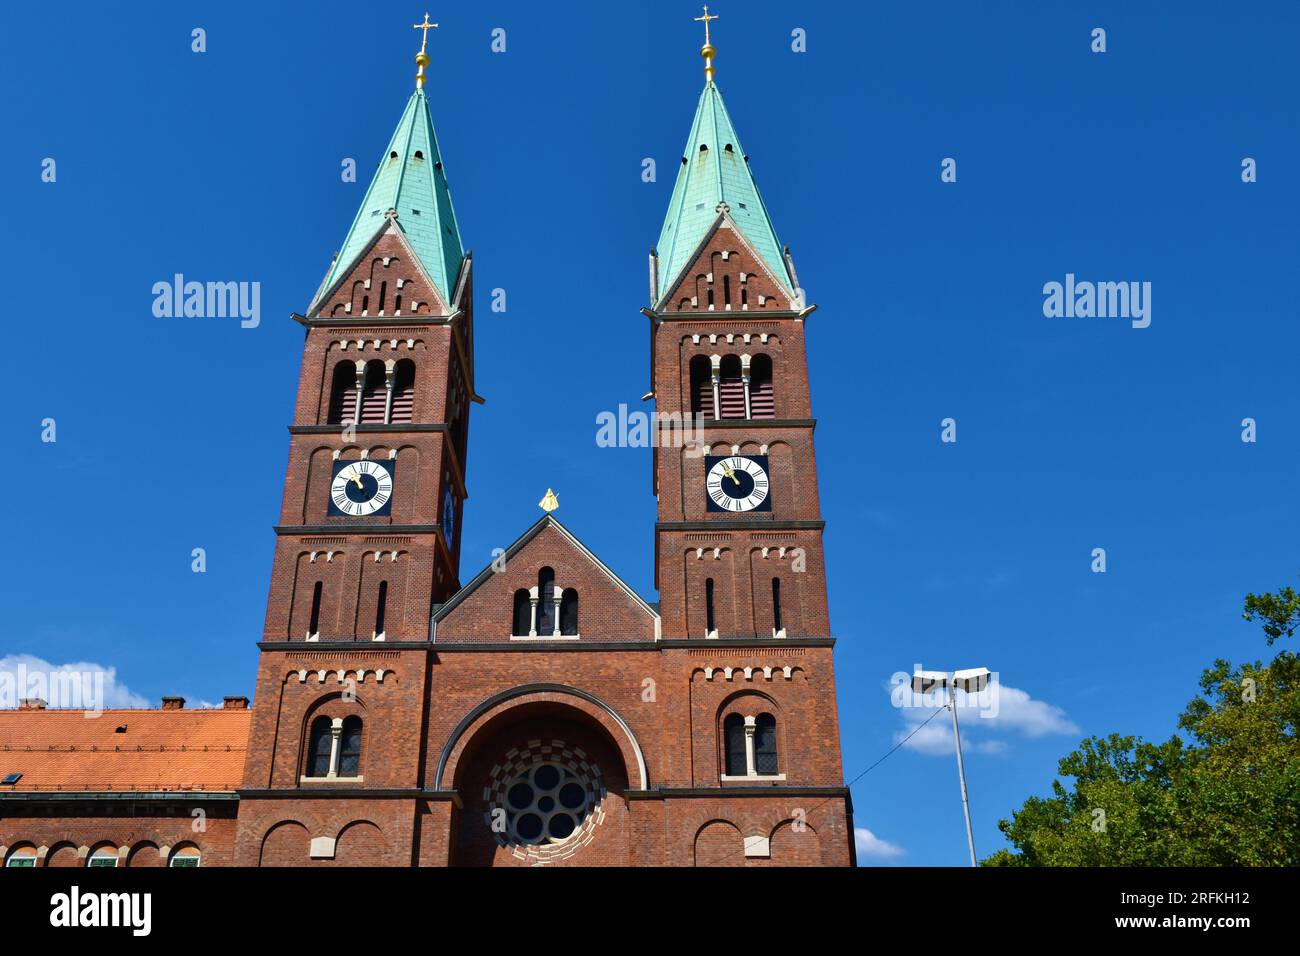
<point>541,713</point>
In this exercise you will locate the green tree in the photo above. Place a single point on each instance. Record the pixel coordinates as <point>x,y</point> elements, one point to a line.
<point>1229,796</point>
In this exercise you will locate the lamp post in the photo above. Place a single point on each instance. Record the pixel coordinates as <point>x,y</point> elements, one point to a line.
<point>972,680</point>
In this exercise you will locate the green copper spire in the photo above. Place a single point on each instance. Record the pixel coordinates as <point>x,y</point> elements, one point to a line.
<point>714,170</point>
<point>410,179</point>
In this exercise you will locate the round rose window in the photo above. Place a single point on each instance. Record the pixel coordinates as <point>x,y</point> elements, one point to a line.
<point>546,804</point>
<point>544,801</point>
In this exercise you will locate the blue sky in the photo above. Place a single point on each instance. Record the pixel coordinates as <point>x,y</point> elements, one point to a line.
<point>1073,434</point>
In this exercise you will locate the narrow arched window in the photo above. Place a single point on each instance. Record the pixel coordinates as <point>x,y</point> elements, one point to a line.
<point>726,291</point>
<point>313,626</point>
<point>523,615</point>
<point>702,386</point>
<point>186,856</point>
<point>569,613</point>
<point>383,296</point>
<point>381,607</point>
<point>350,748</point>
<point>104,856</point>
<point>733,732</point>
<point>765,744</point>
<point>373,394</point>
<point>403,391</point>
<point>762,403</point>
<point>709,624</point>
<point>545,601</point>
<point>319,744</point>
<point>776,604</point>
<point>343,394</point>
<point>24,856</point>
<point>731,388</point>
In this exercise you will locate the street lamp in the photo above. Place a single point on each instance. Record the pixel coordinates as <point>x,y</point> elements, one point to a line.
<point>973,680</point>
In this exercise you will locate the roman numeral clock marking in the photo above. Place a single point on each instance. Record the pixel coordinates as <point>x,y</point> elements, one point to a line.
<point>361,488</point>
<point>737,483</point>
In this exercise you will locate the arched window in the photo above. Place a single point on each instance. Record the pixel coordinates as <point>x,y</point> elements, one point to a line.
<point>350,748</point>
<point>381,608</point>
<point>776,605</point>
<point>104,856</point>
<point>545,601</point>
<point>188,856</point>
<point>731,388</point>
<point>709,624</point>
<point>523,615</point>
<point>569,613</point>
<point>319,746</point>
<point>733,731</point>
<point>403,390</point>
<point>762,404</point>
<point>373,394</point>
<point>765,744</point>
<point>23,856</point>
<point>343,393</point>
<point>702,386</point>
<point>726,291</point>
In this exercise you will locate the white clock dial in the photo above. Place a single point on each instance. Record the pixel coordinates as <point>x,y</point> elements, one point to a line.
<point>737,484</point>
<point>361,488</point>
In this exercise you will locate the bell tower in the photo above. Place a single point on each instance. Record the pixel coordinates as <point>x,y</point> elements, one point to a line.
<point>739,535</point>
<point>369,532</point>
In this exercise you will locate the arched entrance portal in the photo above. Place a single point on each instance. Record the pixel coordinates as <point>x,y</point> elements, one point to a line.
<point>542,780</point>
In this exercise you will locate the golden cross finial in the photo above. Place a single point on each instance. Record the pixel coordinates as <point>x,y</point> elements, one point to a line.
<point>705,20</point>
<point>549,502</point>
<point>426,26</point>
<point>708,51</point>
<point>422,58</point>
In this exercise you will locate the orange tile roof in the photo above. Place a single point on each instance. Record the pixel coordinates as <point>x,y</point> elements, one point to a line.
<point>81,752</point>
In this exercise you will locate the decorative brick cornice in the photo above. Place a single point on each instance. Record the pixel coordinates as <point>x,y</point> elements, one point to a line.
<point>743,524</point>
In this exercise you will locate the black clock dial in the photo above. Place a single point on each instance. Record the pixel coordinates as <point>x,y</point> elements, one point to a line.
<point>361,488</point>
<point>737,483</point>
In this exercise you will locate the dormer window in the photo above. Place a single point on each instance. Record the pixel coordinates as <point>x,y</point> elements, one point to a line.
<point>419,155</point>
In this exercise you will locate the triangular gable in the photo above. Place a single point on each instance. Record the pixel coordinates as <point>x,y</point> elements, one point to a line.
<point>323,305</point>
<point>722,220</point>
<point>514,557</point>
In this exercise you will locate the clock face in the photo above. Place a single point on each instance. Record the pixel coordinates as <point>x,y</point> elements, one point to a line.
<point>361,488</point>
<point>737,483</point>
<point>448,515</point>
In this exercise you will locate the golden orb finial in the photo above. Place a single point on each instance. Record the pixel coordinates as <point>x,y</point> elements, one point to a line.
<point>708,51</point>
<point>422,58</point>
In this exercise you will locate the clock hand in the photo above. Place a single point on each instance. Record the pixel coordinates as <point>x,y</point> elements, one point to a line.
<point>730,474</point>
<point>356,478</point>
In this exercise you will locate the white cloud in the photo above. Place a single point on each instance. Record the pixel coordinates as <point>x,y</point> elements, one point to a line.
<point>80,684</point>
<point>871,846</point>
<point>985,725</point>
